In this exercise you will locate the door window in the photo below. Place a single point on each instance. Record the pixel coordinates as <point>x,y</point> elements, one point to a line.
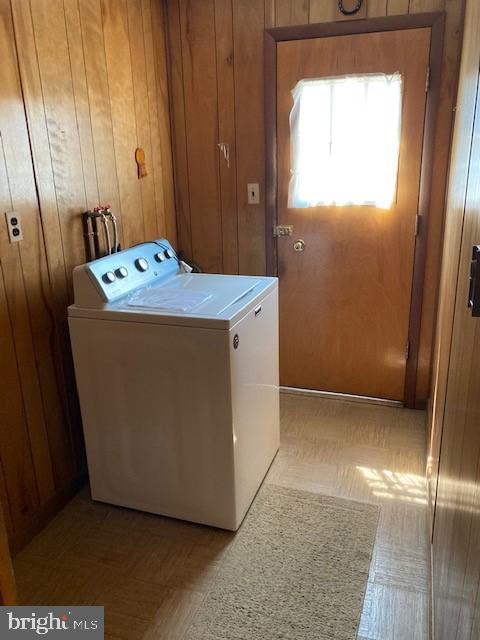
<point>345,140</point>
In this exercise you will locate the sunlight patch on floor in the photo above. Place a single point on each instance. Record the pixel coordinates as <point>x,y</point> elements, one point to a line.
<point>406,487</point>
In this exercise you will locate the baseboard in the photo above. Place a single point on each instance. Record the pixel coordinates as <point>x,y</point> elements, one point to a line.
<point>341,396</point>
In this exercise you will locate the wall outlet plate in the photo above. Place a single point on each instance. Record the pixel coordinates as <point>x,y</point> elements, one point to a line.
<point>14,226</point>
<point>253,193</point>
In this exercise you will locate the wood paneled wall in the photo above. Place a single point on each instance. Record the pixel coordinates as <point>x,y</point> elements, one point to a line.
<point>455,490</point>
<point>455,207</point>
<point>216,52</point>
<point>83,83</point>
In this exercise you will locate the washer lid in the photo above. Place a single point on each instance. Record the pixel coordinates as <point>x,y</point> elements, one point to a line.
<point>198,294</point>
<point>195,299</point>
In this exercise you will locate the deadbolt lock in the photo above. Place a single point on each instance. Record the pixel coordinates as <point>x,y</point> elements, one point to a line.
<point>299,245</point>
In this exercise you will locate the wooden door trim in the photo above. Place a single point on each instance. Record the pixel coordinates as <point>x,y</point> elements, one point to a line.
<point>434,20</point>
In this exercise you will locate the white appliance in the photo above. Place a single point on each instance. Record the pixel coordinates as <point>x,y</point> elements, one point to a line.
<point>177,375</point>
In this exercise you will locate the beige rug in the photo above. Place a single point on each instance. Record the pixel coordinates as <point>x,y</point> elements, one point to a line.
<point>297,570</point>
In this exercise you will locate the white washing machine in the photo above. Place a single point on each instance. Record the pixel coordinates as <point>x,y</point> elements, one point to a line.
<point>177,375</point>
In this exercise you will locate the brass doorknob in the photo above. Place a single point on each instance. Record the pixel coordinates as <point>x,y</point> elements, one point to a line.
<point>299,245</point>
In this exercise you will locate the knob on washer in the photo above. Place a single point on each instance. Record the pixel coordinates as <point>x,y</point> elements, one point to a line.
<point>121,272</point>
<point>109,277</point>
<point>141,264</point>
<point>159,257</point>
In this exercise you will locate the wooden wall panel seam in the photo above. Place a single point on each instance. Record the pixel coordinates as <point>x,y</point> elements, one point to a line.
<point>90,201</point>
<point>226,126</point>
<point>82,163</point>
<point>17,490</point>
<point>119,68</point>
<point>178,127</point>
<point>162,95</point>
<point>103,169</point>
<point>184,118</point>
<point>22,394</point>
<point>121,212</point>
<point>135,101</point>
<point>234,115</point>
<point>219,159</point>
<point>155,162</point>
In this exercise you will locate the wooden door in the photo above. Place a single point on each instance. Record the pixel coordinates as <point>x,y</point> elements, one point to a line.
<point>345,299</point>
<point>456,539</point>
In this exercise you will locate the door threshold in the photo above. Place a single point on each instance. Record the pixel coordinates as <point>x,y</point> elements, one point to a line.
<point>341,396</point>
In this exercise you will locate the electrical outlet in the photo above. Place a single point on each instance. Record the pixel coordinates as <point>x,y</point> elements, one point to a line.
<point>14,226</point>
<point>253,193</point>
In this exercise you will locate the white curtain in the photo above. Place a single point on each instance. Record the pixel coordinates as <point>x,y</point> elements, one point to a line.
<point>345,140</point>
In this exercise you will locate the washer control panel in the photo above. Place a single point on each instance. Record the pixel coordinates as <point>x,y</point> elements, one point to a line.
<point>119,273</point>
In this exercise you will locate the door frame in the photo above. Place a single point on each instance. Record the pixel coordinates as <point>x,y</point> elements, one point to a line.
<point>434,20</point>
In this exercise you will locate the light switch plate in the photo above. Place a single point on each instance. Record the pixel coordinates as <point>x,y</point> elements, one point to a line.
<point>14,226</point>
<point>253,193</point>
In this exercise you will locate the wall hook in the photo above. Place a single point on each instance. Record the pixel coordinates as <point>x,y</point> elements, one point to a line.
<point>225,151</point>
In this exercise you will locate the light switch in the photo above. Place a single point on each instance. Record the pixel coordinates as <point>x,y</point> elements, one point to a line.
<point>253,193</point>
<point>14,225</point>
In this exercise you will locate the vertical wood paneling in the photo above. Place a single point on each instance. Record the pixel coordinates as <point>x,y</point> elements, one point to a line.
<point>90,84</point>
<point>270,13</point>
<point>422,6</point>
<point>122,105</point>
<point>455,204</point>
<point>155,164</point>
<point>201,118</point>
<point>397,7</point>
<point>226,133</point>
<point>163,101</point>
<point>456,561</point>
<point>248,25</point>
<point>15,448</point>
<point>37,123</point>
<point>142,112</point>
<point>16,405</point>
<point>99,106</point>
<point>24,266</point>
<point>82,105</point>
<point>182,190</point>
<point>48,19</point>
<point>322,11</point>
<point>289,12</point>
<point>376,8</point>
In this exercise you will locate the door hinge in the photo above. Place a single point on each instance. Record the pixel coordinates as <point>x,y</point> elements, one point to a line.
<point>417,224</point>
<point>407,350</point>
<point>282,230</point>
<point>427,79</point>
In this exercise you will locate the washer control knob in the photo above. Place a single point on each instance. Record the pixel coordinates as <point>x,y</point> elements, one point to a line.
<point>121,272</point>
<point>169,253</point>
<point>159,257</point>
<point>141,264</point>
<point>109,277</point>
